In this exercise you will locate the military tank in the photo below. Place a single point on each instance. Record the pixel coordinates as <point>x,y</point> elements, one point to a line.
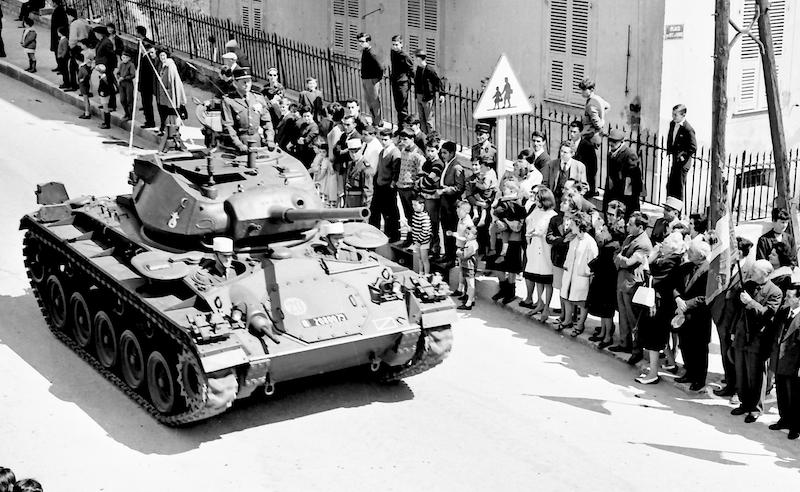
<point>220,276</point>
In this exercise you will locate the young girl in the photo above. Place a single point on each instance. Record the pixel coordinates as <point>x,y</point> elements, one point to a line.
<point>421,233</point>
<point>469,265</point>
<point>28,43</point>
<point>575,283</point>
<point>325,178</point>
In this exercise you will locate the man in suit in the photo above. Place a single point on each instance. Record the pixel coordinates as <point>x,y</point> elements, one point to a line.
<point>584,151</point>
<point>147,81</point>
<point>427,85</point>
<point>756,303</point>
<point>58,19</point>
<point>594,113</point>
<point>384,199</point>
<point>787,373</point>
<point>672,215</point>
<point>540,158</point>
<point>624,177</point>
<point>695,332</point>
<point>565,168</point>
<point>681,145</point>
<point>452,186</point>
<point>106,55</point>
<point>631,263</point>
<point>402,71</point>
<point>778,234</point>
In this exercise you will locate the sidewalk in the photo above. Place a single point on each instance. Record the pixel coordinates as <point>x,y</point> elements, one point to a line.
<point>47,81</point>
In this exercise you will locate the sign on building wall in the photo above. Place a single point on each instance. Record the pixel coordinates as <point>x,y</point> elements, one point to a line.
<point>673,31</point>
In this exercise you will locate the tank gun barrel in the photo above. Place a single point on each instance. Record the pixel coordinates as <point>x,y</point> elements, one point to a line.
<point>297,214</point>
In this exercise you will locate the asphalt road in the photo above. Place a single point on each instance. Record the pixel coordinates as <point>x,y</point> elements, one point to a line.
<point>515,407</point>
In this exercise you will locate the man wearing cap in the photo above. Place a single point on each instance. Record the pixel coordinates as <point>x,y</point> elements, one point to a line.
<point>232,46</point>
<point>384,201</point>
<point>483,149</point>
<point>245,116</point>
<point>681,145</point>
<point>105,54</point>
<point>672,215</point>
<point>624,177</point>
<point>756,305</point>
<point>333,233</point>
<point>695,332</point>
<point>230,60</point>
<point>427,85</point>
<point>787,373</point>
<point>402,71</point>
<point>371,75</point>
<point>411,161</point>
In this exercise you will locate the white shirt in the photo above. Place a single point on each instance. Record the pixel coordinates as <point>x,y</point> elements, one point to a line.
<point>372,153</point>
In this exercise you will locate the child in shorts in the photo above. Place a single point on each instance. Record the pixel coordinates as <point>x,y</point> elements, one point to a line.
<point>421,233</point>
<point>469,265</point>
<point>84,82</point>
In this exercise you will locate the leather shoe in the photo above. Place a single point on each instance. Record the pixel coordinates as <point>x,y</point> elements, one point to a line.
<point>682,379</point>
<point>779,425</point>
<point>465,307</point>
<point>634,359</point>
<point>604,344</point>
<point>750,418</point>
<point>793,435</point>
<point>696,386</point>
<point>726,391</point>
<point>738,411</point>
<point>619,348</point>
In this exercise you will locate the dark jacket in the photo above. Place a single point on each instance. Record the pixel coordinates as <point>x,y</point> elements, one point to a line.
<point>371,67</point>
<point>751,328</point>
<point>685,144</point>
<point>57,19</point>
<point>454,180</point>
<point>541,161</point>
<point>768,240</point>
<point>789,346</point>
<point>388,170</point>
<point>623,169</point>
<point>555,238</point>
<point>427,82</point>
<point>402,66</point>
<point>690,286</point>
<point>105,54</point>
<point>147,74</point>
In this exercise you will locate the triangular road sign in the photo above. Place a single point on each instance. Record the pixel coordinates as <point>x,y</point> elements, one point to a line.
<point>503,95</point>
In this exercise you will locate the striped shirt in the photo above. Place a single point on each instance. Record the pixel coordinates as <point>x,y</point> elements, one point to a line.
<point>421,227</point>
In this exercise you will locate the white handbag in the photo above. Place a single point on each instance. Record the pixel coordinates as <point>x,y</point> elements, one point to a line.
<point>645,295</point>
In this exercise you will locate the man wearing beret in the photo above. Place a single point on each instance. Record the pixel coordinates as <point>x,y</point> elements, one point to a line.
<point>624,177</point>
<point>245,115</point>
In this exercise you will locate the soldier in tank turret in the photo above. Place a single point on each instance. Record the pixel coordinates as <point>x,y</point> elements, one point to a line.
<point>332,234</point>
<point>245,116</point>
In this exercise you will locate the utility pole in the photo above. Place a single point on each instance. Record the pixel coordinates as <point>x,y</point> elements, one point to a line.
<point>775,113</point>
<point>719,108</point>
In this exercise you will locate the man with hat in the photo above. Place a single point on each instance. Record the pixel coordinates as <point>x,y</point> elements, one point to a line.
<point>245,116</point>
<point>371,75</point>
<point>483,149</point>
<point>230,60</point>
<point>333,233</point>
<point>426,85</point>
<point>672,215</point>
<point>105,54</point>
<point>624,177</point>
<point>232,46</point>
<point>221,267</point>
<point>787,372</point>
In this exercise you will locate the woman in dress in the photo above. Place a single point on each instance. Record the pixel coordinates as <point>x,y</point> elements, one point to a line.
<point>577,274</point>
<point>538,264</point>
<point>171,99</point>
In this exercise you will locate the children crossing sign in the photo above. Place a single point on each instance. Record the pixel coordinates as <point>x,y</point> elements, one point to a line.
<point>504,95</point>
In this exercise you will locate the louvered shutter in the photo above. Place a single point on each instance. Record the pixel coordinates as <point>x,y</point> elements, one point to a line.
<point>258,12</point>
<point>346,21</point>
<point>422,27</point>
<point>568,43</point>
<point>752,94</point>
<point>246,15</point>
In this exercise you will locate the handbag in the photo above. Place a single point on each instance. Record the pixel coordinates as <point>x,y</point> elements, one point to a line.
<point>645,295</point>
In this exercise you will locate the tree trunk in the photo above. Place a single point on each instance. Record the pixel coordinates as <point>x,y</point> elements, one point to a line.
<point>719,109</point>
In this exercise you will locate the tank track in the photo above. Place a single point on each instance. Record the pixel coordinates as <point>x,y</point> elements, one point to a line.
<point>196,408</point>
<point>432,348</point>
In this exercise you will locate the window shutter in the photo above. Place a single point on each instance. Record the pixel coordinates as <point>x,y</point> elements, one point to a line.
<point>257,14</point>
<point>752,93</point>
<point>346,20</point>
<point>422,27</point>
<point>246,16</point>
<point>579,46</point>
<point>557,50</point>
<point>568,46</point>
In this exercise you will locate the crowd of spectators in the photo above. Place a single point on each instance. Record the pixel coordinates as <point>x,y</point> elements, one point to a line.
<point>9,482</point>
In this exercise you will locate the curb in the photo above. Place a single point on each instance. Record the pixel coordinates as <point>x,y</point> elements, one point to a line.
<point>47,87</point>
<point>485,287</point>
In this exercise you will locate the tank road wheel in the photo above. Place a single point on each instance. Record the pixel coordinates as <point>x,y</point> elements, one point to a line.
<point>131,359</point>
<point>35,264</point>
<point>81,319</point>
<point>56,301</point>
<point>160,382</point>
<point>105,339</point>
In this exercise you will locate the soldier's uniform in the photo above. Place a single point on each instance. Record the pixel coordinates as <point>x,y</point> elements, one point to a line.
<point>484,151</point>
<point>246,119</point>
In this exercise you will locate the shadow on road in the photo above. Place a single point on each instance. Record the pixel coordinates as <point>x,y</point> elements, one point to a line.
<point>708,409</point>
<point>24,331</point>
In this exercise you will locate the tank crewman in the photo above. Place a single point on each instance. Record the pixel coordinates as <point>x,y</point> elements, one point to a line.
<point>484,150</point>
<point>332,233</point>
<point>221,267</point>
<point>245,115</point>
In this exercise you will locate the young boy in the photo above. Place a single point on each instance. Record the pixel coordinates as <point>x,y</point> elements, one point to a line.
<point>469,265</point>
<point>106,90</point>
<point>307,133</point>
<point>463,209</point>
<point>421,233</point>
<point>84,82</point>
<point>62,57</point>
<point>312,98</point>
<point>28,43</point>
<point>126,75</point>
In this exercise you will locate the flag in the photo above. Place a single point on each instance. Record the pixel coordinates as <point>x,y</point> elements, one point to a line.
<point>721,259</point>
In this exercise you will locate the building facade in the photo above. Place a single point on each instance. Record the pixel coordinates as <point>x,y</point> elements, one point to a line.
<point>645,56</point>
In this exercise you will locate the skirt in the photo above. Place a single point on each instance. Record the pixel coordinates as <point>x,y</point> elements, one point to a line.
<point>513,259</point>
<point>538,278</point>
<point>653,331</point>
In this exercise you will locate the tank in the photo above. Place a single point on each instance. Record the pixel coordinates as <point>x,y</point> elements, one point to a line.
<point>134,285</point>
